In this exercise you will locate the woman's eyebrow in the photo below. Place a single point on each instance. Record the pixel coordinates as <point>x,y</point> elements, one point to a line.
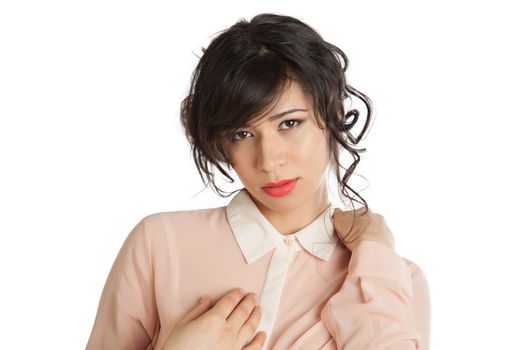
<point>279,115</point>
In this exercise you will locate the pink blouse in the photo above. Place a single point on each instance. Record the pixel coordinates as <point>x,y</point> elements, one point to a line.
<point>313,292</point>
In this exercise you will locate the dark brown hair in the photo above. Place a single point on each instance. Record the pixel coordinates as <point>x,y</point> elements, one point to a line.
<point>244,70</point>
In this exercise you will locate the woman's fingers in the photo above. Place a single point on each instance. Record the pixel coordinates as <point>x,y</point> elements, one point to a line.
<point>257,343</point>
<point>344,220</point>
<point>224,307</point>
<point>196,311</point>
<point>242,312</point>
<point>379,231</point>
<point>248,328</point>
<point>242,315</point>
<point>229,324</point>
<point>370,226</point>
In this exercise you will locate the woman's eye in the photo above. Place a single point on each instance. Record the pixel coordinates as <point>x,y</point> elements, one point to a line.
<point>240,135</point>
<point>291,123</point>
<point>288,124</point>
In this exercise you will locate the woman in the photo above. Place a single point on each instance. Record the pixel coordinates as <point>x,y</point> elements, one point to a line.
<point>279,267</point>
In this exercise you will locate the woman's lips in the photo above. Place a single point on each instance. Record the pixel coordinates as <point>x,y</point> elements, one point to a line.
<point>279,183</point>
<point>283,187</point>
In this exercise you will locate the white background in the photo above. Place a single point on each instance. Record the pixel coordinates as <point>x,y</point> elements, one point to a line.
<point>90,142</point>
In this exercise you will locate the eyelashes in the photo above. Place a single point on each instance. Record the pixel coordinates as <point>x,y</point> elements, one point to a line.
<point>289,123</point>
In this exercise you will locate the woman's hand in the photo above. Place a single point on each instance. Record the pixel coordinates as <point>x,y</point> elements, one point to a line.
<point>370,226</point>
<point>229,324</point>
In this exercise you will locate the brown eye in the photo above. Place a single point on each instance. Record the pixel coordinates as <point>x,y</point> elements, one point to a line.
<point>292,123</point>
<point>240,135</point>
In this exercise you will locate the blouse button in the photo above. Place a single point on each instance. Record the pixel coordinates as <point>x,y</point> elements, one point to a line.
<point>288,242</point>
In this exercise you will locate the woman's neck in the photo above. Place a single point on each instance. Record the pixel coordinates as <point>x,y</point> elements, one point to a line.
<point>293,221</point>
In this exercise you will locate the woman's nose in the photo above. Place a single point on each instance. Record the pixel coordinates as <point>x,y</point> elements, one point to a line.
<point>270,153</point>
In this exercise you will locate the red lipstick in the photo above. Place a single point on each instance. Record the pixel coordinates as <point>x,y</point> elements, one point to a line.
<point>280,188</point>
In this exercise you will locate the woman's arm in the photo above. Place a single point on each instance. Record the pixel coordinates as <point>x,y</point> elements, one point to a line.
<point>384,302</point>
<point>127,314</point>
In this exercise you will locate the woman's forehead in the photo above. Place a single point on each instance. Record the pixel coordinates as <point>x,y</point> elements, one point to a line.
<point>292,99</point>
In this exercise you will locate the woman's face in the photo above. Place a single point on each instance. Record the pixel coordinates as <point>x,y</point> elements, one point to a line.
<point>288,147</point>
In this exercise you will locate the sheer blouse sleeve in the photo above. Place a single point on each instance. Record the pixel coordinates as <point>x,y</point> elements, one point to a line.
<point>127,315</point>
<point>383,304</point>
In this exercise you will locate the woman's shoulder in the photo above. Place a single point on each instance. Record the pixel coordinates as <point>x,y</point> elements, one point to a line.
<point>416,271</point>
<point>184,220</point>
<point>421,290</point>
<point>185,215</point>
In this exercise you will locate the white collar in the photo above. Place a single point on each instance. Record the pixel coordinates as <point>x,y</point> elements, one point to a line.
<point>256,236</point>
